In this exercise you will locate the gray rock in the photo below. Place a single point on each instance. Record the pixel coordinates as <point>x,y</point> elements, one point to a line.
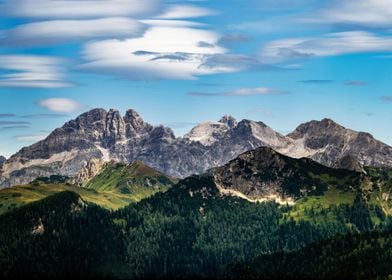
<point>107,136</point>
<point>333,145</point>
<point>2,160</point>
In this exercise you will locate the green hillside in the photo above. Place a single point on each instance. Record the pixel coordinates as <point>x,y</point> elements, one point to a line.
<point>135,179</point>
<point>192,230</point>
<point>116,186</point>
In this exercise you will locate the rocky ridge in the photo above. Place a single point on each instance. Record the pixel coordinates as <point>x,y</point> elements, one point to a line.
<point>266,175</point>
<point>80,147</point>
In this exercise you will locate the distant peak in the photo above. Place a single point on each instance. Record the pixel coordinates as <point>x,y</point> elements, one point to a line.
<point>229,121</point>
<point>328,121</point>
<point>132,114</point>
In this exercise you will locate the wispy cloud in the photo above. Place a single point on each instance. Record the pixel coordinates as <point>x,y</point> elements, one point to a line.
<point>7,115</point>
<point>233,38</point>
<point>31,138</point>
<point>8,123</point>
<point>328,45</point>
<point>162,53</point>
<point>14,127</point>
<point>32,71</point>
<point>44,116</point>
<point>317,81</point>
<point>80,8</point>
<point>242,92</point>
<point>386,99</point>
<point>355,83</point>
<point>355,14</point>
<point>63,105</point>
<point>58,31</point>
<point>185,11</point>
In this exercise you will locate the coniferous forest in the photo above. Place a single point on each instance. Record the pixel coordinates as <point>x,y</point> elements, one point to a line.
<point>192,231</point>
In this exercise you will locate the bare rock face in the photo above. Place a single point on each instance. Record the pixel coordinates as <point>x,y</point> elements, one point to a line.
<point>266,175</point>
<point>89,170</point>
<point>333,145</point>
<point>2,160</point>
<point>105,136</point>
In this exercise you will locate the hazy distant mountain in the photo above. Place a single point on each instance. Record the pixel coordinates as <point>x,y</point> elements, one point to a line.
<point>105,135</point>
<point>333,145</point>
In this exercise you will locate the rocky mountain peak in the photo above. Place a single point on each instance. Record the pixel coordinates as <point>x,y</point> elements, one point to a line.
<point>106,136</point>
<point>229,121</point>
<point>325,126</point>
<point>135,124</point>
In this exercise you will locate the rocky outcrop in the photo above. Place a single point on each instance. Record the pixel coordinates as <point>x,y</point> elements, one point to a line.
<point>89,171</point>
<point>106,136</point>
<point>265,175</point>
<point>2,160</point>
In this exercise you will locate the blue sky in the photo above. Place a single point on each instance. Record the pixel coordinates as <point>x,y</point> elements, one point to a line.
<point>182,62</point>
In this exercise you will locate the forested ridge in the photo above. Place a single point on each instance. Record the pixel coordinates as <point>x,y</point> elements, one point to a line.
<point>193,231</point>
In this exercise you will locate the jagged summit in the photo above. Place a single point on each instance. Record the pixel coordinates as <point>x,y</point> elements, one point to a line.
<point>229,121</point>
<point>102,136</point>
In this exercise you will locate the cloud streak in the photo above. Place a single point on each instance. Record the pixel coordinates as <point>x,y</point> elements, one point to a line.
<point>71,9</point>
<point>59,31</point>
<point>31,138</point>
<point>386,99</point>
<point>7,123</point>
<point>162,53</point>
<point>355,83</point>
<point>7,116</point>
<point>317,81</point>
<point>355,14</point>
<point>332,44</point>
<point>185,11</point>
<point>242,92</point>
<point>32,71</point>
<point>63,105</point>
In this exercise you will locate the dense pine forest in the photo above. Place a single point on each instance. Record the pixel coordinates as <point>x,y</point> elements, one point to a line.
<point>192,231</point>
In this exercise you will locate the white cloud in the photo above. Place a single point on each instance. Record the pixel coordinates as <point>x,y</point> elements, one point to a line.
<point>171,23</point>
<point>63,105</point>
<point>80,8</point>
<point>367,13</point>
<point>162,53</point>
<point>328,45</point>
<point>31,138</point>
<point>48,32</point>
<point>32,71</point>
<point>242,92</point>
<point>185,11</point>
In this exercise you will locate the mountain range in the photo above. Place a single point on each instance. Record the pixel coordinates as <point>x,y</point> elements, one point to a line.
<point>101,136</point>
<point>240,219</point>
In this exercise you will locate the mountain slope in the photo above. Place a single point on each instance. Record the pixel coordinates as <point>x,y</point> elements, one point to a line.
<point>332,144</point>
<point>334,258</point>
<point>49,238</point>
<point>264,174</point>
<point>99,136</point>
<point>116,185</point>
<point>134,179</point>
<point>2,160</point>
<point>106,136</point>
<point>196,229</point>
